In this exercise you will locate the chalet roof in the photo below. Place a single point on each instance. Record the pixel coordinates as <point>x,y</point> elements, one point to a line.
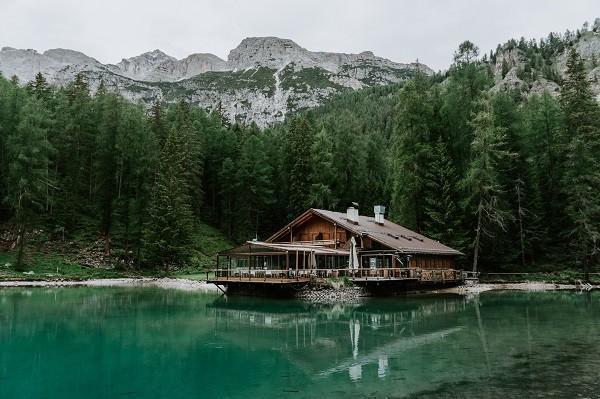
<point>389,234</point>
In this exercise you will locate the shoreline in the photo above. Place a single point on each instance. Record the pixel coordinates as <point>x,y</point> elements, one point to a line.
<point>162,282</point>
<point>527,286</point>
<point>203,286</point>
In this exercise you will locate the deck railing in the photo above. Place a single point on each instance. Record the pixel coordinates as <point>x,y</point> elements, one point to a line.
<point>426,275</point>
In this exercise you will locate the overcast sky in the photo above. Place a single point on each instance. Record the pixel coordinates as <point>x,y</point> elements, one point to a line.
<point>400,30</point>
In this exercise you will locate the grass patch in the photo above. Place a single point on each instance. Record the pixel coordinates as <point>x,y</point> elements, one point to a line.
<point>51,267</point>
<point>207,242</point>
<point>338,282</point>
<point>52,259</point>
<point>307,79</point>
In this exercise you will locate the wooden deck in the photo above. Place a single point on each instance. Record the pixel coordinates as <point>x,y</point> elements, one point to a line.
<point>232,276</point>
<point>259,280</point>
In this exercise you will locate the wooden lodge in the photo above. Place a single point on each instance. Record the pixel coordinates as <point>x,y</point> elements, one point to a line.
<point>319,244</point>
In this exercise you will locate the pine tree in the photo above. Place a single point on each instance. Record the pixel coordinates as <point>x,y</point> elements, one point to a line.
<point>515,178</point>
<point>505,68</point>
<point>106,140</point>
<point>412,146</point>
<point>186,121</point>
<point>349,157</point>
<point>170,224</point>
<point>76,158</point>
<point>581,183</point>
<point>255,183</point>
<point>28,152</point>
<point>442,214</point>
<point>12,98</point>
<point>544,154</point>
<point>468,79</point>
<point>323,174</point>
<point>300,144</point>
<point>483,179</point>
<point>227,195</point>
<point>39,87</point>
<point>157,122</point>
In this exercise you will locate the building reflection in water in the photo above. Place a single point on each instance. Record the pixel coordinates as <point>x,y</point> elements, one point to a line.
<point>312,337</point>
<point>354,336</point>
<point>355,372</point>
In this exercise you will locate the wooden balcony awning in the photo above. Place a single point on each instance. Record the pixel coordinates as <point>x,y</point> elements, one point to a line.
<point>269,248</point>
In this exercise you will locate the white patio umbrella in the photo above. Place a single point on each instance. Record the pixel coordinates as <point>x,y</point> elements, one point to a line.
<point>353,262</point>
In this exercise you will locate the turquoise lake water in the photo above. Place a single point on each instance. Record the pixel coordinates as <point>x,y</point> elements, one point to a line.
<point>152,343</point>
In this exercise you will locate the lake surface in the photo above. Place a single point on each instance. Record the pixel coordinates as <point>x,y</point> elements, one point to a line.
<point>152,343</point>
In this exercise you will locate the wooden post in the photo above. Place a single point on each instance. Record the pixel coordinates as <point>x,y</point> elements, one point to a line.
<point>287,262</point>
<point>296,263</point>
<point>335,235</point>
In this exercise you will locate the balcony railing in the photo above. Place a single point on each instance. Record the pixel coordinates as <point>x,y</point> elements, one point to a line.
<point>425,275</point>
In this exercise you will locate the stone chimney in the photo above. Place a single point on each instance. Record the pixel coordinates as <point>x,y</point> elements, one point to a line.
<point>352,215</point>
<point>379,214</point>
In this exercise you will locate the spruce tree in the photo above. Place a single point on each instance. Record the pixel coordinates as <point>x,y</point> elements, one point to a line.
<point>76,158</point>
<point>39,87</point>
<point>544,147</point>
<point>468,79</point>
<point>227,178</point>
<point>442,213</point>
<point>28,152</point>
<point>255,182</point>
<point>412,146</point>
<point>170,223</point>
<point>489,155</point>
<point>581,183</point>
<point>300,145</point>
<point>157,122</point>
<point>323,174</point>
<point>106,165</point>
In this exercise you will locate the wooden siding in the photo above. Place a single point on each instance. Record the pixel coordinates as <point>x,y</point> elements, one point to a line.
<point>432,262</point>
<point>316,229</point>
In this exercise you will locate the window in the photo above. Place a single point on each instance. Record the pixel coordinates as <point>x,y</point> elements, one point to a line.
<point>372,262</point>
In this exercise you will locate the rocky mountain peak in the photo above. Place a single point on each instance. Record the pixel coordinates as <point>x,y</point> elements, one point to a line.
<point>269,52</point>
<point>68,57</point>
<point>154,56</point>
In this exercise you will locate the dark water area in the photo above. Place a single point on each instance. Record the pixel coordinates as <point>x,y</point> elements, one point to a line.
<point>153,343</point>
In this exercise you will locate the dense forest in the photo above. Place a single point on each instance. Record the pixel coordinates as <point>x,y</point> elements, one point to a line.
<point>511,180</point>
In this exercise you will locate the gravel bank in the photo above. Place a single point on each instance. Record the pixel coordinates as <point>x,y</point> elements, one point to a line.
<point>527,286</point>
<point>167,283</point>
<point>333,295</point>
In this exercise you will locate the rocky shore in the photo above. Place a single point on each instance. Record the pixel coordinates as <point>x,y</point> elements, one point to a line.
<point>333,295</point>
<point>525,286</point>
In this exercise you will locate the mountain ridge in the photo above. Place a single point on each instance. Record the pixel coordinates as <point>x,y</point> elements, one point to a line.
<point>262,80</point>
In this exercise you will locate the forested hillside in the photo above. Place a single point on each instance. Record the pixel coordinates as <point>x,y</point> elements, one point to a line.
<point>510,178</point>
